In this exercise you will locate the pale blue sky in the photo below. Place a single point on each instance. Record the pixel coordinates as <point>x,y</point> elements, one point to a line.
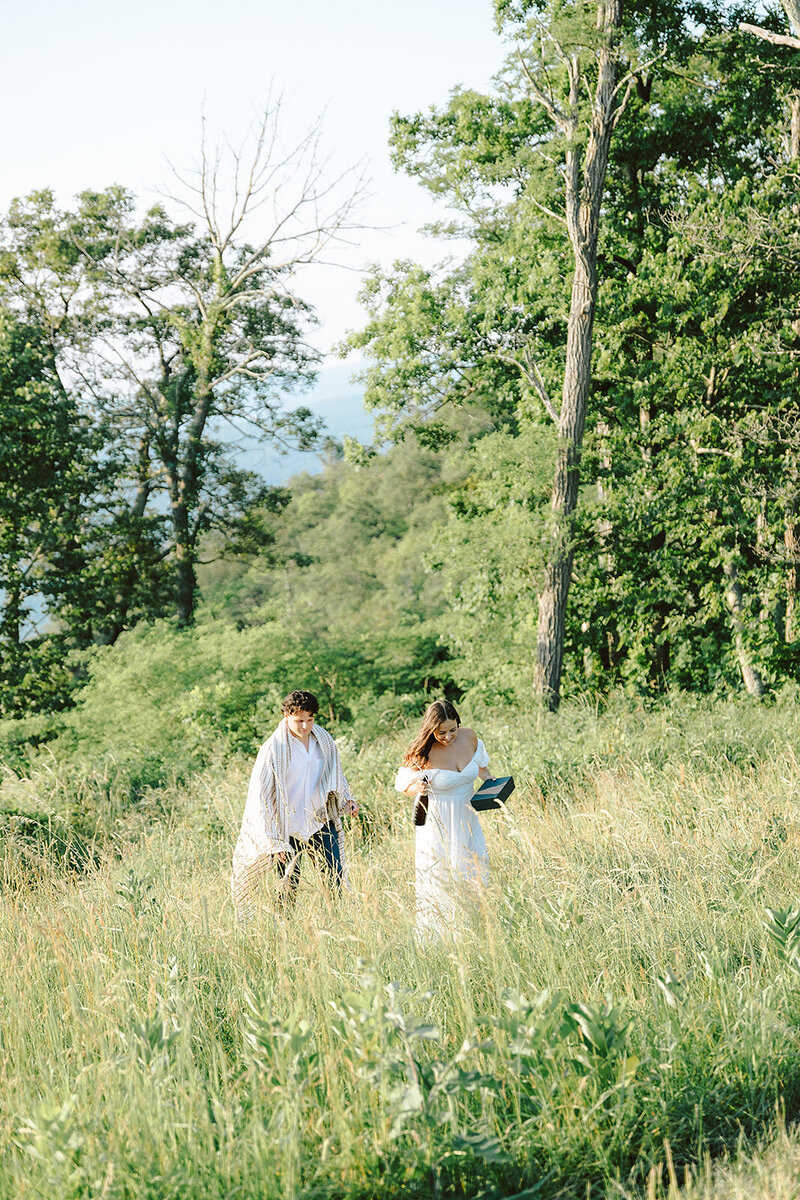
<point>95,92</point>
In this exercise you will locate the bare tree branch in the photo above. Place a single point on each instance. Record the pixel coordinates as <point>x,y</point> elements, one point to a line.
<point>766,35</point>
<point>560,119</point>
<point>529,370</point>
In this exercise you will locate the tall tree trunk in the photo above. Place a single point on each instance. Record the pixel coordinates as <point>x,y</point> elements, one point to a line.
<point>734,598</point>
<point>185,489</point>
<point>184,549</point>
<point>185,584</point>
<point>791,540</point>
<point>585,183</point>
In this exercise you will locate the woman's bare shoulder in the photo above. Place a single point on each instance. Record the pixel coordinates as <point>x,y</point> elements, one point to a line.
<point>469,734</point>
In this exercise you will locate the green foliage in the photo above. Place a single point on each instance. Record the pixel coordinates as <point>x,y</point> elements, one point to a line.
<point>46,472</point>
<point>695,448</point>
<point>147,336</point>
<point>393,577</point>
<point>691,456</point>
<point>783,927</point>
<point>491,556</point>
<point>35,845</point>
<point>619,1007</point>
<point>162,702</point>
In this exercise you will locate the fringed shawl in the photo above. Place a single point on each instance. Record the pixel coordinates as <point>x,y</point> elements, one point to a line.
<point>264,831</point>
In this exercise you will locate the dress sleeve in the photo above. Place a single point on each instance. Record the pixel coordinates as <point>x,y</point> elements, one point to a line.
<point>405,776</point>
<point>481,755</point>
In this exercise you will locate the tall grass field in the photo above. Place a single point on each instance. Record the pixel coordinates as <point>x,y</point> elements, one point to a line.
<point>617,1016</point>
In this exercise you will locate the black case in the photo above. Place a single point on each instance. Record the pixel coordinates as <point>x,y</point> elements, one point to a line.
<point>492,793</point>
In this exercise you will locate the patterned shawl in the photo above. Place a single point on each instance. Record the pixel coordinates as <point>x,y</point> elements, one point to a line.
<point>264,831</point>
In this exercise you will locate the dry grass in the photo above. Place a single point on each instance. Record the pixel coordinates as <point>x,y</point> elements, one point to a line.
<point>630,854</point>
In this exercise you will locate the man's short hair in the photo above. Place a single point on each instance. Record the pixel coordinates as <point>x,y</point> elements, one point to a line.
<point>297,702</point>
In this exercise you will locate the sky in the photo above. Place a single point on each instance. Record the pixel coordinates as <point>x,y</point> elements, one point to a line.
<point>95,92</point>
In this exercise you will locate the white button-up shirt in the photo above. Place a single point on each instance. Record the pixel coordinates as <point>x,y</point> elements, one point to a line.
<point>305,772</point>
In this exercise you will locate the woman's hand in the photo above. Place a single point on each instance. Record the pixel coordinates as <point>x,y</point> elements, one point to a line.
<point>417,788</point>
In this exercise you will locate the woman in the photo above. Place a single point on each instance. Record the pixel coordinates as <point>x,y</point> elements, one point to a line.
<point>443,762</point>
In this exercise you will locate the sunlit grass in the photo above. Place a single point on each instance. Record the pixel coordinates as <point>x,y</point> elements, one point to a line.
<point>622,1005</point>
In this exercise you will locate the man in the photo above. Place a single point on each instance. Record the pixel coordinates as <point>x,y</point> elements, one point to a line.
<point>295,802</point>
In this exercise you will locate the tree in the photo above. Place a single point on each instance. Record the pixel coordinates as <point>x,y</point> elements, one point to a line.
<point>792,10</point>
<point>212,326</point>
<point>695,364</point>
<point>591,64</point>
<point>520,168</point>
<point>45,473</point>
<point>107,565</point>
<point>177,331</point>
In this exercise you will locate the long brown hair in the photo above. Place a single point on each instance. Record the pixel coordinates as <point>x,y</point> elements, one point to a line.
<point>417,753</point>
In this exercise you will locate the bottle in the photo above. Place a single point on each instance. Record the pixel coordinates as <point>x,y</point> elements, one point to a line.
<point>421,805</point>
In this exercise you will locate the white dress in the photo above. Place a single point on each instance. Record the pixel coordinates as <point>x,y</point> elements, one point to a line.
<point>451,858</point>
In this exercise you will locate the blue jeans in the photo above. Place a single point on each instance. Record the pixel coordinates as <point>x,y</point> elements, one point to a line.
<point>322,846</point>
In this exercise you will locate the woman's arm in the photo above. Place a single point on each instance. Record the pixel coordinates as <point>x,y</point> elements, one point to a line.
<point>483,762</point>
<point>416,788</point>
<point>411,782</point>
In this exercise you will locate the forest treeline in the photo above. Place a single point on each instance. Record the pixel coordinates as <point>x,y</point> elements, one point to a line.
<point>586,470</point>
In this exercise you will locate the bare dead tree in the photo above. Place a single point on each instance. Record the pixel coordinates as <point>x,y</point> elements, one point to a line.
<point>207,324</point>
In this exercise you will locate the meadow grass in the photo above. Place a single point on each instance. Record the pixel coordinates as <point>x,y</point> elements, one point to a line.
<point>613,1019</point>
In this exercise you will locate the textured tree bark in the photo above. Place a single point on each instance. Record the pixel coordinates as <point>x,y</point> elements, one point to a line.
<point>185,587</point>
<point>585,182</point>
<point>564,493</point>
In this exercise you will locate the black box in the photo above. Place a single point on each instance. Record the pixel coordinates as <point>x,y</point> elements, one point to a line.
<point>492,793</point>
